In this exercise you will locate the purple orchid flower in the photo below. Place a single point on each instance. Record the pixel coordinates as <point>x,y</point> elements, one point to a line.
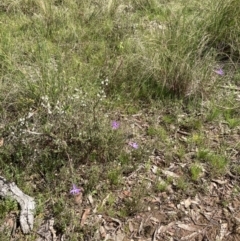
<point>219,71</point>
<point>115,125</point>
<point>133,145</point>
<point>75,190</point>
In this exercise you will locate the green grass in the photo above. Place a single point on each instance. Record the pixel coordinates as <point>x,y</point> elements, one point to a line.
<point>69,68</point>
<point>195,171</point>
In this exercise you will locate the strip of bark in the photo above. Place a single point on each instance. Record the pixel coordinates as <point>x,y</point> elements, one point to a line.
<point>26,203</point>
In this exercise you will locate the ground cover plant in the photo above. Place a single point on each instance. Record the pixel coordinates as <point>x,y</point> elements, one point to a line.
<point>121,118</point>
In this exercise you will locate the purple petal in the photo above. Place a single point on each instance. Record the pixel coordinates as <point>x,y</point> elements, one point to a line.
<point>133,145</point>
<point>219,71</point>
<point>75,190</point>
<point>115,125</point>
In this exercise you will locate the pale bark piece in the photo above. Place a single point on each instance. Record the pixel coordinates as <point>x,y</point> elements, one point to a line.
<point>26,203</point>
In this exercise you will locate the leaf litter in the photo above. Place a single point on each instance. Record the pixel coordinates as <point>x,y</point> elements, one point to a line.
<point>207,209</point>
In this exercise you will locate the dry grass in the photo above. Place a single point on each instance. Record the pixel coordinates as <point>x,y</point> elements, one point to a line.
<point>68,69</point>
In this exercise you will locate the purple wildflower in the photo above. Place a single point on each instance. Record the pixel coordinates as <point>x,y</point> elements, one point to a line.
<point>133,145</point>
<point>115,125</point>
<point>219,71</point>
<point>75,190</point>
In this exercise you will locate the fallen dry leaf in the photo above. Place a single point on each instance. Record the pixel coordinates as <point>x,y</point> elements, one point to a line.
<point>78,199</point>
<point>90,199</point>
<point>164,228</point>
<point>221,182</point>
<point>102,232</point>
<point>190,236</point>
<point>105,200</point>
<point>117,221</point>
<point>154,220</point>
<point>170,174</point>
<point>119,235</point>
<point>124,194</point>
<point>84,216</point>
<point>154,169</point>
<point>188,227</point>
<point>130,226</point>
<point>187,202</point>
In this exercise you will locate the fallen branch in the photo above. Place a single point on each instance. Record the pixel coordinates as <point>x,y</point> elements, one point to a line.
<point>26,203</point>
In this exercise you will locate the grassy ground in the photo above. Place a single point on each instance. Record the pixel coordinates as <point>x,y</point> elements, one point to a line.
<point>134,102</point>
